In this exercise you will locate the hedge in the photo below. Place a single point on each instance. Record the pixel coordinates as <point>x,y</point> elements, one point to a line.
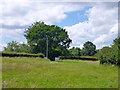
<point>14,54</point>
<point>91,58</point>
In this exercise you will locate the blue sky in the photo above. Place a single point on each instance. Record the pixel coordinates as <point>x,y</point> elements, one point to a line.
<point>74,17</point>
<point>85,21</point>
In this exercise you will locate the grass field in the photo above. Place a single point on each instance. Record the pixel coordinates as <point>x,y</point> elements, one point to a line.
<point>38,73</point>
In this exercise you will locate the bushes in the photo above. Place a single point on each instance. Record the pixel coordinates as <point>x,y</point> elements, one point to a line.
<point>79,57</point>
<point>14,54</point>
<point>108,55</point>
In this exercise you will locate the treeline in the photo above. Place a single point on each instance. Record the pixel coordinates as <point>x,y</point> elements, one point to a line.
<point>108,55</point>
<point>89,49</point>
<point>41,37</point>
<point>15,46</point>
<point>16,49</point>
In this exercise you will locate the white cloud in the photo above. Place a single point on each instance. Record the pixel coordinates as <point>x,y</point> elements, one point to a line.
<point>101,27</point>
<point>102,17</point>
<point>107,38</point>
<point>81,46</point>
<point>27,12</point>
<point>79,32</point>
<point>16,15</point>
<point>25,42</point>
<point>1,46</point>
<point>15,34</point>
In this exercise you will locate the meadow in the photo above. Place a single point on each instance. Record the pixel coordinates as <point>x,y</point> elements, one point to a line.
<point>31,72</point>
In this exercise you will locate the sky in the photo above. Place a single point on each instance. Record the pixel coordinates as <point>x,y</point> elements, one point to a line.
<point>84,21</point>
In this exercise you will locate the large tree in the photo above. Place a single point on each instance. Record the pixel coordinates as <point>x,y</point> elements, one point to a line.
<point>39,34</point>
<point>89,49</point>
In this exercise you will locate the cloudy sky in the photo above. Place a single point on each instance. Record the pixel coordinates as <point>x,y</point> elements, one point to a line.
<point>85,21</point>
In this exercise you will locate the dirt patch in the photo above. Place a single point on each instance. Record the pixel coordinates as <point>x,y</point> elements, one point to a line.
<point>53,62</point>
<point>93,62</point>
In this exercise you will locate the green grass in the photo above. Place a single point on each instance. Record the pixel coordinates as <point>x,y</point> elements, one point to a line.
<point>0,72</point>
<point>21,72</point>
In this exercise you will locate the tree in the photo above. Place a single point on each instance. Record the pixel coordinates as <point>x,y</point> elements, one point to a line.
<point>12,47</point>
<point>75,51</point>
<point>89,49</point>
<point>37,35</point>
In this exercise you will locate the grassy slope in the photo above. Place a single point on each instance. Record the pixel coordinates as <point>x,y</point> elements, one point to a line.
<point>37,73</point>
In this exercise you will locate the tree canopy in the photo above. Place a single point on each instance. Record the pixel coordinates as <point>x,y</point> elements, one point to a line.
<point>75,51</point>
<point>58,40</point>
<point>14,46</point>
<point>89,49</point>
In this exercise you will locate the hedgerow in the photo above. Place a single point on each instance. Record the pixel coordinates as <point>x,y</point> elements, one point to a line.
<point>14,54</point>
<point>79,58</point>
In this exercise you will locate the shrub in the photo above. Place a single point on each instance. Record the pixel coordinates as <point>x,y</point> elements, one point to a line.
<point>108,55</point>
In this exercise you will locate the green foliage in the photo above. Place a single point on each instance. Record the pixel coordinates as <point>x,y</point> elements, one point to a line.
<point>89,49</point>
<point>75,51</point>
<point>15,54</point>
<point>110,54</point>
<point>91,58</point>
<point>58,40</point>
<point>116,48</point>
<point>24,48</point>
<point>14,46</point>
<point>105,55</point>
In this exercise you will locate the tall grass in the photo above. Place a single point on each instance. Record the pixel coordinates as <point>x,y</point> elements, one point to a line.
<point>38,73</point>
